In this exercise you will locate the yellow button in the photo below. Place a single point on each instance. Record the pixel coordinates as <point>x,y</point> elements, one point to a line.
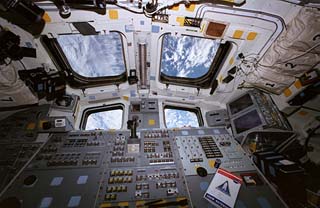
<point>287,92</point>
<point>298,84</point>
<point>113,14</point>
<point>252,36</point>
<point>46,17</point>
<point>211,163</point>
<point>191,7</point>
<point>175,8</point>
<point>152,122</point>
<point>180,20</point>
<point>237,34</point>
<point>231,61</point>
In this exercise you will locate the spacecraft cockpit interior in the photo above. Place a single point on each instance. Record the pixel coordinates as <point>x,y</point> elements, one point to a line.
<point>159,103</point>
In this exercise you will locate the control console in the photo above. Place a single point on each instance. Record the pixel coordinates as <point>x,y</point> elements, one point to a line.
<point>208,148</point>
<point>171,168</point>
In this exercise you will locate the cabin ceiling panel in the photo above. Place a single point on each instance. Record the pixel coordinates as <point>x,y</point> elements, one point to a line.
<point>295,52</point>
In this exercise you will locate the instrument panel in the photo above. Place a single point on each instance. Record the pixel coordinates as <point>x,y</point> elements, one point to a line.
<point>171,168</point>
<point>208,148</point>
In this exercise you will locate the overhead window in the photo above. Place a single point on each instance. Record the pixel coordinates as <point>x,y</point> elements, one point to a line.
<point>176,117</point>
<point>187,56</point>
<point>190,60</point>
<point>110,117</point>
<point>94,55</point>
<point>90,60</point>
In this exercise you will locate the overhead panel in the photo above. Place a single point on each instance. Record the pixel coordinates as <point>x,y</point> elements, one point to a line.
<point>215,29</point>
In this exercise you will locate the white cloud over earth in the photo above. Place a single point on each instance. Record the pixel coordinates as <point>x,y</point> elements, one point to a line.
<point>94,55</point>
<point>180,118</point>
<point>111,119</point>
<point>187,56</point>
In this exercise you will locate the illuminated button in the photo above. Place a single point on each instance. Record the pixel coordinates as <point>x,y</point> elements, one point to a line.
<point>82,180</point>
<point>121,180</point>
<point>124,188</point>
<point>107,197</point>
<point>138,187</point>
<point>129,179</point>
<point>111,180</point>
<point>117,189</point>
<point>74,201</point>
<point>109,189</point>
<point>45,202</point>
<point>56,181</point>
<point>113,197</point>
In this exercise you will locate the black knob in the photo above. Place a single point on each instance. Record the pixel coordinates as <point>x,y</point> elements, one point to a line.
<point>202,172</point>
<point>30,180</point>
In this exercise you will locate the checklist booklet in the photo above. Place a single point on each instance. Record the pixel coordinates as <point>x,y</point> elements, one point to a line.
<point>223,189</point>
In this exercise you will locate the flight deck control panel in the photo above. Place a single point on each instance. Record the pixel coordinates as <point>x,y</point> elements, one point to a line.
<point>172,168</point>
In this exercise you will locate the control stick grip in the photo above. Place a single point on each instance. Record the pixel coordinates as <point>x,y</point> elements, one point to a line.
<point>132,125</point>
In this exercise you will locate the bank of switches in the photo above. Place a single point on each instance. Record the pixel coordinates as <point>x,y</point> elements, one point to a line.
<point>120,176</point>
<point>158,152</point>
<point>118,151</point>
<point>65,159</point>
<point>154,134</point>
<point>140,182</point>
<point>209,147</point>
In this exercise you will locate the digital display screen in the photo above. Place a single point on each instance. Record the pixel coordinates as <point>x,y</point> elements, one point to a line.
<point>247,121</point>
<point>240,104</point>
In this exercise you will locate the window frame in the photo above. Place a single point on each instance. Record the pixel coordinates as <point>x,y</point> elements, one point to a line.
<point>88,111</point>
<point>195,110</point>
<point>206,80</point>
<point>73,78</point>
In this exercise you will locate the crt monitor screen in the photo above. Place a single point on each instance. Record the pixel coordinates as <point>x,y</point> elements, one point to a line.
<point>247,121</point>
<point>240,104</point>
